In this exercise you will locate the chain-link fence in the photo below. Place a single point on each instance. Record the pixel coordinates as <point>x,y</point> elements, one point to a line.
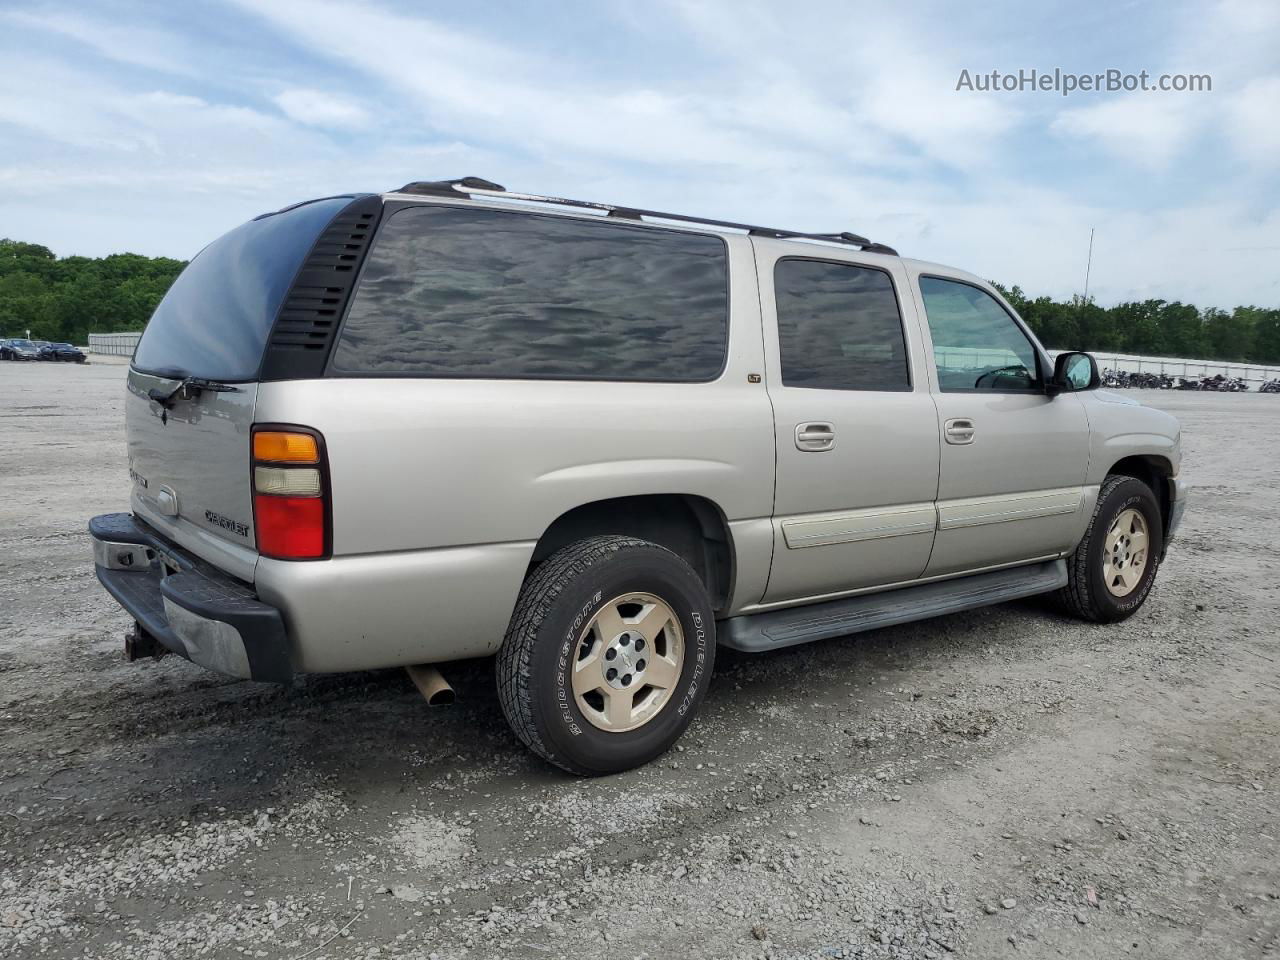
<point>1254,374</point>
<point>113,344</point>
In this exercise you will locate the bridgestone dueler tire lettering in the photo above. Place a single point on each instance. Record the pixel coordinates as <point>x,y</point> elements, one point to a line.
<point>556,603</point>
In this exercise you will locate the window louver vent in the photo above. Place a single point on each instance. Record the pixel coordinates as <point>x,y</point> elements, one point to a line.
<point>309,317</point>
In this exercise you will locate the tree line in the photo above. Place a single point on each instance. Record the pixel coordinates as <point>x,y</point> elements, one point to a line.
<point>1160,328</point>
<point>67,298</point>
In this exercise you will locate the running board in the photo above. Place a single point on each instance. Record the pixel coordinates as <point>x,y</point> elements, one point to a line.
<point>837,618</point>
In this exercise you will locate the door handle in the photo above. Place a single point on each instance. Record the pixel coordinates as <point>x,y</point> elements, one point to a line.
<point>815,436</point>
<point>959,431</point>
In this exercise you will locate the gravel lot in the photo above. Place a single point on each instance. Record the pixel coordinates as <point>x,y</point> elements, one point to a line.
<point>1003,783</point>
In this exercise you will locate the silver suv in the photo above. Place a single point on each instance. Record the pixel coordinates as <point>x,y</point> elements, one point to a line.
<point>452,421</point>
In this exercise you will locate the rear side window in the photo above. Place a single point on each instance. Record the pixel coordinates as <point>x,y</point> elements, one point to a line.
<point>839,327</point>
<point>215,319</point>
<point>459,292</point>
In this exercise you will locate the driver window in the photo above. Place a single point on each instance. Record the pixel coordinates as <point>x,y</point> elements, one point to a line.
<point>976,344</point>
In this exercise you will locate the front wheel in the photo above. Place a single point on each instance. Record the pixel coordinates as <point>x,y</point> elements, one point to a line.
<point>1112,570</point>
<point>608,655</point>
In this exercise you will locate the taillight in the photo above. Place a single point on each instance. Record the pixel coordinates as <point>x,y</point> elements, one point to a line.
<point>290,493</point>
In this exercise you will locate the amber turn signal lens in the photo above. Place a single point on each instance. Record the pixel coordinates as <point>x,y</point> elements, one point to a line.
<point>279,447</point>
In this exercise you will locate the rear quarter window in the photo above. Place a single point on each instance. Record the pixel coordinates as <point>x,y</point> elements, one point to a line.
<point>460,292</point>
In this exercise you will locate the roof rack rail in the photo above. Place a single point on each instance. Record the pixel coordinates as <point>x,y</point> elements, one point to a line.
<point>467,187</point>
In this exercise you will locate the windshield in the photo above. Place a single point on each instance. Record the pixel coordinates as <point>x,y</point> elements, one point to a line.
<point>215,319</point>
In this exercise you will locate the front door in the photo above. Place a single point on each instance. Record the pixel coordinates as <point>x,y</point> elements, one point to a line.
<point>1014,458</point>
<point>856,430</point>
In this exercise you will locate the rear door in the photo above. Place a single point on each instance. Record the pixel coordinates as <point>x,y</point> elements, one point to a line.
<point>856,430</point>
<point>1014,459</point>
<point>189,464</point>
<point>189,447</point>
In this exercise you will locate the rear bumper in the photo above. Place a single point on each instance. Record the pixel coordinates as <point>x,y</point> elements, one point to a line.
<point>191,608</point>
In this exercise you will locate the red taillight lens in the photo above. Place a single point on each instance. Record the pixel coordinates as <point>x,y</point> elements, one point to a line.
<point>290,501</point>
<point>290,528</point>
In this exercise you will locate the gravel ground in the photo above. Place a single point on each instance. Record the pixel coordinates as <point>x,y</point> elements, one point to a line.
<point>1002,783</point>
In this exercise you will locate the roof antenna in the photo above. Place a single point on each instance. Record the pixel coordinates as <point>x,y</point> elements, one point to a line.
<point>1087,265</point>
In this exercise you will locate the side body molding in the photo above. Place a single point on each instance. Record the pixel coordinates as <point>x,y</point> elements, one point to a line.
<point>976,511</point>
<point>859,525</point>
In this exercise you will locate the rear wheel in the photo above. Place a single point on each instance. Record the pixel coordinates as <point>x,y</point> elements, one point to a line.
<point>1113,568</point>
<point>608,655</point>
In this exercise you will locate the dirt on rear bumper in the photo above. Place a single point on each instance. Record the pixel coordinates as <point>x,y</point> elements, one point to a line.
<point>187,606</point>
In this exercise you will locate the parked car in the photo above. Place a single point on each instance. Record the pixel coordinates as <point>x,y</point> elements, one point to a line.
<point>63,352</point>
<point>20,350</point>
<point>450,421</point>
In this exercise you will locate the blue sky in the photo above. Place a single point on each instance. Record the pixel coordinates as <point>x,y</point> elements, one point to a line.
<point>153,127</point>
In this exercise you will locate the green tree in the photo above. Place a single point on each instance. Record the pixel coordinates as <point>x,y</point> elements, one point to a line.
<point>66,299</point>
<point>1264,334</point>
<point>1154,327</point>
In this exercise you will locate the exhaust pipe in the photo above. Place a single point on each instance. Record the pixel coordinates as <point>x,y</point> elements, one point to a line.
<point>431,684</point>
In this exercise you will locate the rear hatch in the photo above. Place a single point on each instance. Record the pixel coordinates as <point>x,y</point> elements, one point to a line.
<point>193,384</point>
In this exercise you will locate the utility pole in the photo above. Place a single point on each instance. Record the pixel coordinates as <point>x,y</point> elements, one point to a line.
<point>1087,265</point>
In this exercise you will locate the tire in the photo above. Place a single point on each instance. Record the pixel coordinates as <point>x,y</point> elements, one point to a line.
<point>1087,594</point>
<point>558,629</point>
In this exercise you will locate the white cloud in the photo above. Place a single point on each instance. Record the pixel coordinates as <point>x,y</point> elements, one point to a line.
<point>1235,42</point>
<point>131,43</point>
<point>1251,122</point>
<point>1141,129</point>
<point>318,109</point>
<point>91,166</point>
<point>807,116</point>
<point>1229,38</point>
<point>73,106</point>
<point>488,91</point>
<point>880,88</point>
<point>911,93</point>
<point>860,96</point>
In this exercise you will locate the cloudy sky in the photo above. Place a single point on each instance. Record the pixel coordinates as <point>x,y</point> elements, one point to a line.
<point>155,126</point>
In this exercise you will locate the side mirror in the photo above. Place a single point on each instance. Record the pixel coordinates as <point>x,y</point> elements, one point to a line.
<point>1073,372</point>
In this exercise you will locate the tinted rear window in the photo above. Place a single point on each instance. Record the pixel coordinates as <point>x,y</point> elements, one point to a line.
<point>839,327</point>
<point>458,292</point>
<point>215,319</point>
